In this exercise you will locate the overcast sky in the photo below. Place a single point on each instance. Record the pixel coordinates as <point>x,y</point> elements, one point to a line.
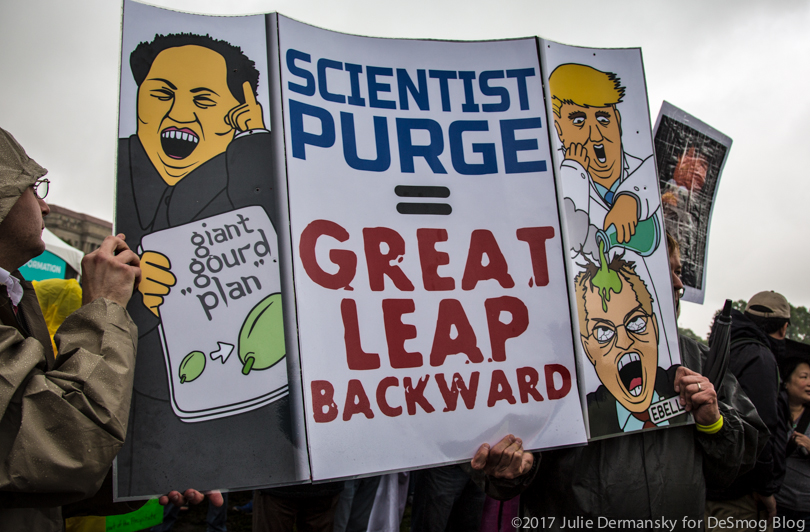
<point>743,67</point>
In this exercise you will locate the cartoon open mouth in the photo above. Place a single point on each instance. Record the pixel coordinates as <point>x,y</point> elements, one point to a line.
<point>178,143</point>
<point>630,373</point>
<point>599,152</point>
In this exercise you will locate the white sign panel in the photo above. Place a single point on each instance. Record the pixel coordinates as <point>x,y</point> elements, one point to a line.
<point>227,283</point>
<point>619,267</point>
<point>428,260</point>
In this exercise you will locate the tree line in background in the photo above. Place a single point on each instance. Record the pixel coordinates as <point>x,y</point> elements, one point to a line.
<point>798,330</point>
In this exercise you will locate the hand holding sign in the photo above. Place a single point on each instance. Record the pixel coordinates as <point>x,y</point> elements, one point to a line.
<point>697,395</point>
<point>249,115</point>
<point>506,460</point>
<point>191,496</point>
<point>111,272</point>
<point>157,280</point>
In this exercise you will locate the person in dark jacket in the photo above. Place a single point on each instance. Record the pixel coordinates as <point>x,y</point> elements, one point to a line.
<point>756,336</point>
<point>793,499</point>
<point>657,479</point>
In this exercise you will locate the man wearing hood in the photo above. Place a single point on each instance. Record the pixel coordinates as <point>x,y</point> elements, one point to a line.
<point>63,416</point>
<point>757,339</point>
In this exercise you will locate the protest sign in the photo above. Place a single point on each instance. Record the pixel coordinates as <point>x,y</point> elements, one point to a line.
<point>360,255</point>
<point>618,263</point>
<point>428,259</point>
<point>198,198</point>
<point>690,156</point>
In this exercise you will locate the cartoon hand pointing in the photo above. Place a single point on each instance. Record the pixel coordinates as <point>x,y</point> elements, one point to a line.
<point>156,281</point>
<point>248,115</point>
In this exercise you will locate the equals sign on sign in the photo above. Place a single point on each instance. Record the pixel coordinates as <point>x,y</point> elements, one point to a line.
<point>420,192</point>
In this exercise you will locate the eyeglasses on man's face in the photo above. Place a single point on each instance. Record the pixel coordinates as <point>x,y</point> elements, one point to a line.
<point>41,187</point>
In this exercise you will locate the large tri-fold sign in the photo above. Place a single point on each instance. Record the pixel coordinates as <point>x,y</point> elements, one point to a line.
<point>365,255</point>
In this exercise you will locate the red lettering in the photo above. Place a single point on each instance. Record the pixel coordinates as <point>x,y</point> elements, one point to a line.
<point>385,408</point>
<point>500,332</point>
<point>536,238</point>
<point>379,263</point>
<point>345,260</point>
<point>416,395</point>
<point>397,332</point>
<point>355,356</point>
<point>499,389</point>
<point>323,401</point>
<point>551,390</point>
<point>356,401</point>
<point>430,259</point>
<point>450,394</point>
<point>482,242</point>
<point>451,313</point>
<point>527,384</point>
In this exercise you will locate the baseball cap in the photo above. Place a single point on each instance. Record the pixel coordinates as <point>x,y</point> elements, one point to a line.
<point>769,304</point>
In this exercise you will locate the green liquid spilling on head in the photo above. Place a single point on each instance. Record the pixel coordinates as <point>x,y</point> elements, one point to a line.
<point>606,280</point>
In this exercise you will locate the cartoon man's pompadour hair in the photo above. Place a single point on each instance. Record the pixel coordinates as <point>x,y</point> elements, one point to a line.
<point>583,285</point>
<point>240,68</point>
<point>583,86</point>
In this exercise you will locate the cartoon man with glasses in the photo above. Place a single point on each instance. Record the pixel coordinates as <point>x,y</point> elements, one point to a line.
<point>619,332</point>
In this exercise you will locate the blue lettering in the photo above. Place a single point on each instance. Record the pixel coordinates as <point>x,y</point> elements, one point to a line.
<point>323,64</point>
<point>521,74</point>
<point>374,87</point>
<point>511,146</point>
<point>443,76</point>
<point>383,160</point>
<point>309,88</point>
<point>469,105</point>
<point>431,152</point>
<point>354,76</point>
<point>486,90</point>
<point>490,164</point>
<point>300,138</point>
<point>405,86</point>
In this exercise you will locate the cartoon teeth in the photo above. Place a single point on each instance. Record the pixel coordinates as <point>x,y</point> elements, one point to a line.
<point>627,358</point>
<point>635,382</point>
<point>180,135</point>
<point>178,143</point>
<point>599,151</point>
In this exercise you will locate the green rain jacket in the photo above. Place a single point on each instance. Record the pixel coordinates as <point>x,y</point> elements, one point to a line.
<point>62,420</point>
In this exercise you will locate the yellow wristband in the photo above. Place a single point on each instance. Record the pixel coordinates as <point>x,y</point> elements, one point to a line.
<point>710,429</point>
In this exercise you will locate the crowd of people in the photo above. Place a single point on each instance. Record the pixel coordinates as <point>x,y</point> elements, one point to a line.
<point>744,464</point>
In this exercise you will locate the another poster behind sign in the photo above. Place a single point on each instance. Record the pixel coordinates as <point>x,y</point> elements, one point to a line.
<point>690,156</point>
<point>429,267</point>
<point>45,266</point>
<point>196,199</point>
<point>619,269</point>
